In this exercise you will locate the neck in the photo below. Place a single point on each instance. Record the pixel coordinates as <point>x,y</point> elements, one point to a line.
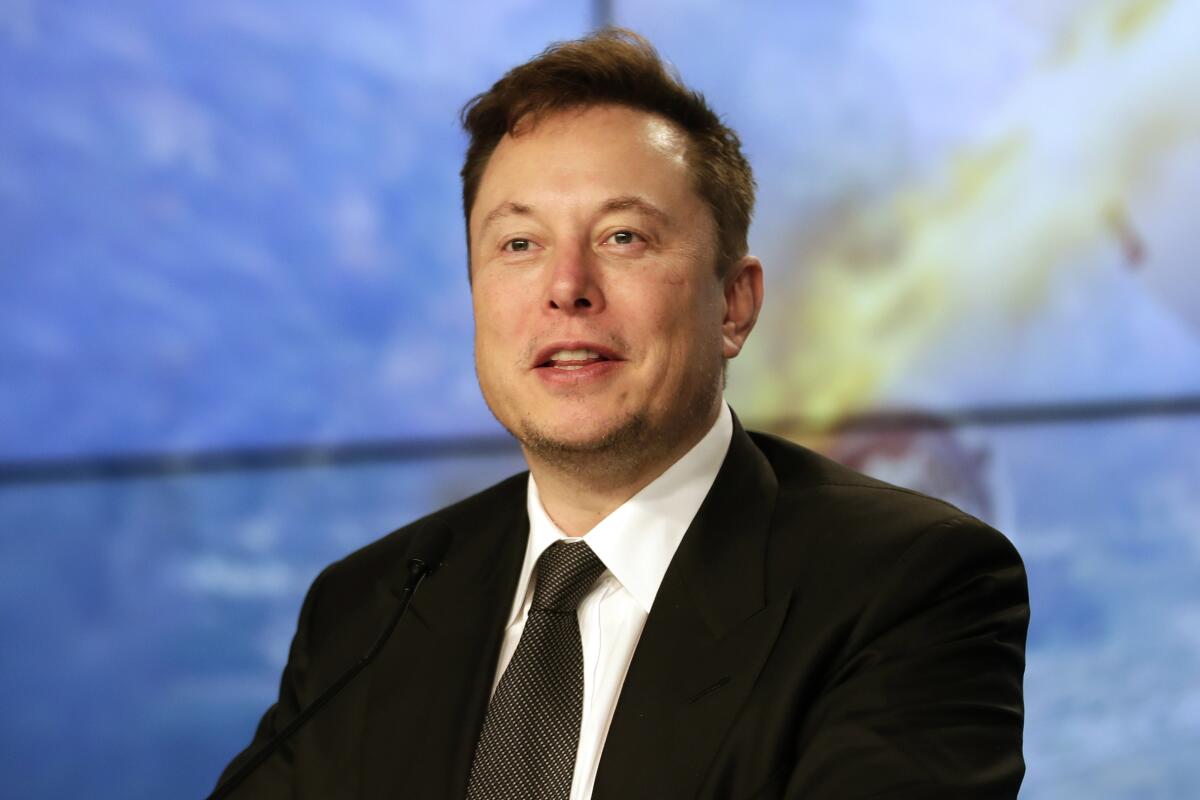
<point>578,493</point>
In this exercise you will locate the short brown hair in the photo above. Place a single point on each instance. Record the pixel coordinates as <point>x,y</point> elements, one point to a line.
<point>617,66</point>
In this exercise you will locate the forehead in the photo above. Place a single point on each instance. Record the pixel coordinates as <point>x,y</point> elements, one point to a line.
<point>586,154</point>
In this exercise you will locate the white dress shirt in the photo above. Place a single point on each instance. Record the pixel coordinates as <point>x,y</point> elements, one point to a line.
<point>636,542</point>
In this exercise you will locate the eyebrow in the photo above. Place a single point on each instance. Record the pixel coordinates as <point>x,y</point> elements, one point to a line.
<point>634,203</point>
<point>506,209</point>
<point>622,203</point>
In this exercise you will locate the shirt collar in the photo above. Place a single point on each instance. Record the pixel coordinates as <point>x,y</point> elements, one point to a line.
<point>637,541</point>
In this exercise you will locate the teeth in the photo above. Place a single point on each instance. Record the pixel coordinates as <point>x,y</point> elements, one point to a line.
<point>574,355</point>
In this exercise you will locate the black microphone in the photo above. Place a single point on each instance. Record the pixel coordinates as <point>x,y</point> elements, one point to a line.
<point>429,548</point>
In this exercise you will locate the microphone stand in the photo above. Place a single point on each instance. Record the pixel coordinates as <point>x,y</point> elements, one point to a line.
<point>418,569</point>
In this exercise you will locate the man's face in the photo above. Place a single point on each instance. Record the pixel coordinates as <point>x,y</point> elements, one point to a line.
<point>598,311</point>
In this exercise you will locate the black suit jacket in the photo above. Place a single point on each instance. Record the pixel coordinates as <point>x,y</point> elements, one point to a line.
<point>818,634</point>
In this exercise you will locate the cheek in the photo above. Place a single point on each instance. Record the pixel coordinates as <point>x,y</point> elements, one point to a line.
<point>493,311</point>
<point>697,333</point>
<point>503,332</point>
<point>489,340</point>
<point>685,331</point>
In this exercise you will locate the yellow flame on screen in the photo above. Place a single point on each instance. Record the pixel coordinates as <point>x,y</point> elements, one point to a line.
<point>1043,184</point>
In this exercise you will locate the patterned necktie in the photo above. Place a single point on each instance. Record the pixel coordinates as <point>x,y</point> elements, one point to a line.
<point>531,732</point>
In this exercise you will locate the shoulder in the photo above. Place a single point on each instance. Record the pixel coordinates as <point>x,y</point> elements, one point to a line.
<point>349,580</point>
<point>820,483</point>
<point>831,518</point>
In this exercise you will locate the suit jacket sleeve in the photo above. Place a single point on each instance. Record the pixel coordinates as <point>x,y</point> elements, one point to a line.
<point>926,699</point>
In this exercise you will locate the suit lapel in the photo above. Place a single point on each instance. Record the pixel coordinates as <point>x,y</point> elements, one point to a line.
<point>708,634</point>
<point>430,686</point>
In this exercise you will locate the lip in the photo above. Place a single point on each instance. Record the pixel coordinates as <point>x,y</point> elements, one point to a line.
<point>543,355</point>
<point>590,376</point>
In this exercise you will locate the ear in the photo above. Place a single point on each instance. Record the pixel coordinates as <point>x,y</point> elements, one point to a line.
<point>743,300</point>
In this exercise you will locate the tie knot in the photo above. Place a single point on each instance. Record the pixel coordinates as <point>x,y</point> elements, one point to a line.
<point>566,571</point>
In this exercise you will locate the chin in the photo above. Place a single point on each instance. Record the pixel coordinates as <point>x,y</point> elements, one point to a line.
<point>582,438</point>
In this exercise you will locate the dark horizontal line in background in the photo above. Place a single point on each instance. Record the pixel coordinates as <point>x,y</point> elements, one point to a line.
<point>1045,414</point>
<point>143,465</point>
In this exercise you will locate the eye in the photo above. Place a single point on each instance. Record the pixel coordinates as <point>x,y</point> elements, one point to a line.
<point>518,245</point>
<point>624,238</point>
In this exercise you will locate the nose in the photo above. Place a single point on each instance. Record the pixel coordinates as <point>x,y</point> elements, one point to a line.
<point>574,283</point>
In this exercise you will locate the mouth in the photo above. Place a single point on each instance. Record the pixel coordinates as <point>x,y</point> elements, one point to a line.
<point>573,356</point>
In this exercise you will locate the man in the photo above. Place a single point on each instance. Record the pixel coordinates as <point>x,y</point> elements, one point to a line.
<point>742,617</point>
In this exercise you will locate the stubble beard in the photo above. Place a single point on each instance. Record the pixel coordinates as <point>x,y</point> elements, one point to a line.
<point>626,450</point>
<point>615,452</point>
